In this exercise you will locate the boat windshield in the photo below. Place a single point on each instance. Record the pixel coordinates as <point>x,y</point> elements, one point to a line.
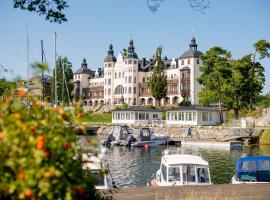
<point>174,174</point>
<point>203,175</point>
<point>99,177</point>
<point>189,175</point>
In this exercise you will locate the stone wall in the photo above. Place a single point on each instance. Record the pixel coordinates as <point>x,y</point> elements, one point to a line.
<point>199,132</point>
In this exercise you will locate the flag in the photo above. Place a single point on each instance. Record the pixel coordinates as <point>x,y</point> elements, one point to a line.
<point>125,52</point>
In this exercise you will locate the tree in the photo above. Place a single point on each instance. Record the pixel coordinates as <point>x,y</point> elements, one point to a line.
<point>215,70</point>
<point>262,48</point>
<point>37,154</point>
<point>158,79</point>
<point>52,9</point>
<point>64,84</point>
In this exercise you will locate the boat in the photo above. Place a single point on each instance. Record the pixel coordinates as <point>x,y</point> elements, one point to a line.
<point>252,169</point>
<point>117,136</point>
<point>95,165</point>
<point>145,137</point>
<point>178,169</point>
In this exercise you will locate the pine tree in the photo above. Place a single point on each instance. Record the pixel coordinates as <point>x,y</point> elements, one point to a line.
<point>158,80</point>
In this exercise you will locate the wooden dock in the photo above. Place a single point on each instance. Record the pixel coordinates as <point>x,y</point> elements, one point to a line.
<point>215,192</point>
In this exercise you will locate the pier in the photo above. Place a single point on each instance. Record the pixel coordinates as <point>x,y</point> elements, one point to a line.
<point>226,191</point>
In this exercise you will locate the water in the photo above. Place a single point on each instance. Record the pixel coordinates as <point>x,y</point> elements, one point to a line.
<point>137,166</point>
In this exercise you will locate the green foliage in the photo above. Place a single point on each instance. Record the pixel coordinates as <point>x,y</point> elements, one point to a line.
<point>262,47</point>
<point>265,137</point>
<point>215,75</point>
<point>64,84</point>
<point>52,9</point>
<point>185,102</point>
<point>164,115</point>
<point>150,107</point>
<point>37,154</point>
<point>264,101</point>
<point>158,79</point>
<point>105,117</point>
<point>6,87</point>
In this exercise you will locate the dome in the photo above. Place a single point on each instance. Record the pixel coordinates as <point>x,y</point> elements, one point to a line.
<point>84,69</point>
<point>110,57</point>
<point>192,52</point>
<point>130,53</point>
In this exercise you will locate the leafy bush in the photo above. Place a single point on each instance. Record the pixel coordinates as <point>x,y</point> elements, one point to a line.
<point>37,154</point>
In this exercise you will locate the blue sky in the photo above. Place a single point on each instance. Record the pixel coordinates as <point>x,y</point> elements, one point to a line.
<point>93,24</point>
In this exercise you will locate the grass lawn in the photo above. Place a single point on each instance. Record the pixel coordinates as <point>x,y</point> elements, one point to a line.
<point>98,117</point>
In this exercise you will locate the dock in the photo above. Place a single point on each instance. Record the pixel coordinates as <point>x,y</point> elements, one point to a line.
<point>226,191</point>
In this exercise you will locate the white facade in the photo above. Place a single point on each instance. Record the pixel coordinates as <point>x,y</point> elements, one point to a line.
<point>194,115</point>
<point>138,116</point>
<point>124,79</point>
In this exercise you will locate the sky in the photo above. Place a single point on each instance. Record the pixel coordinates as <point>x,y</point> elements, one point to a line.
<point>93,24</point>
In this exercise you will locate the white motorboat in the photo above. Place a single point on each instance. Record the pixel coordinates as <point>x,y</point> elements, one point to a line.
<point>178,169</point>
<point>117,136</point>
<point>144,137</point>
<point>94,164</point>
<point>252,169</point>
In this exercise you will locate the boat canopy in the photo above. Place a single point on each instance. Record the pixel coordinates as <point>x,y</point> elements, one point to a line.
<point>253,164</point>
<point>254,168</point>
<point>142,134</point>
<point>180,159</point>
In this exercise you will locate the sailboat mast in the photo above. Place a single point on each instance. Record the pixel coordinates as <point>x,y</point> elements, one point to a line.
<point>42,73</point>
<point>28,67</point>
<point>55,73</point>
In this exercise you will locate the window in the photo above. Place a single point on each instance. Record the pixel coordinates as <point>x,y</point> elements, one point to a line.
<point>136,116</point>
<point>109,91</point>
<point>264,165</point>
<point>135,62</point>
<point>198,61</point>
<point>109,81</point>
<point>174,174</point>
<point>129,90</point>
<point>134,90</point>
<point>115,75</point>
<point>125,62</point>
<point>188,61</point>
<point>182,62</point>
<point>109,65</point>
<point>125,79</point>
<point>189,173</point>
<point>119,76</point>
<point>129,61</point>
<point>248,165</point>
<point>130,79</point>
<point>155,116</point>
<point>204,116</point>
<point>125,90</point>
<point>143,79</point>
<point>164,172</point>
<point>105,65</point>
<point>203,175</point>
<point>105,81</point>
<point>134,79</point>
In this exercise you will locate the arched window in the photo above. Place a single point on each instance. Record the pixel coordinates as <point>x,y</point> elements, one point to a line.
<point>109,81</point>
<point>119,90</point>
<point>130,79</point>
<point>129,90</point>
<point>109,91</point>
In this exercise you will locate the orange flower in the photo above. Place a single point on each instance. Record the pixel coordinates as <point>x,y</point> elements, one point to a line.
<point>40,143</point>
<point>21,174</point>
<point>28,194</point>
<point>66,146</point>
<point>47,154</point>
<point>21,92</point>
<point>2,134</point>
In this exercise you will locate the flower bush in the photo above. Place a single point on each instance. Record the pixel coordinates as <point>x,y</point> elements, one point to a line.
<point>37,154</point>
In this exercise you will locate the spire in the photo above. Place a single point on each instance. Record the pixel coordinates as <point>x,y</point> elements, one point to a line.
<point>131,47</point>
<point>110,51</point>
<point>84,64</point>
<point>193,44</point>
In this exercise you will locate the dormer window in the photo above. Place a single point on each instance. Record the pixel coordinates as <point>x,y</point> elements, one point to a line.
<point>109,65</point>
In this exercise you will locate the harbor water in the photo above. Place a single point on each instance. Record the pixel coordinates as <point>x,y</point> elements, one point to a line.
<point>136,166</point>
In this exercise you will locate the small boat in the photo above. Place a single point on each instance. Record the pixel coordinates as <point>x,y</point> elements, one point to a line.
<point>117,136</point>
<point>145,137</point>
<point>95,165</point>
<point>252,169</point>
<point>177,169</point>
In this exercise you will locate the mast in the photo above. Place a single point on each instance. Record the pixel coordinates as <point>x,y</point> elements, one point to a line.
<point>55,73</point>
<point>28,68</point>
<point>42,73</point>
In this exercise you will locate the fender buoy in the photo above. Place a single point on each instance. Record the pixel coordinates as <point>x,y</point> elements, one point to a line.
<point>154,183</point>
<point>158,122</point>
<point>146,145</point>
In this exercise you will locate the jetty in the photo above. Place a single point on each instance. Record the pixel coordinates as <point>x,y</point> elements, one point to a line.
<point>225,191</point>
